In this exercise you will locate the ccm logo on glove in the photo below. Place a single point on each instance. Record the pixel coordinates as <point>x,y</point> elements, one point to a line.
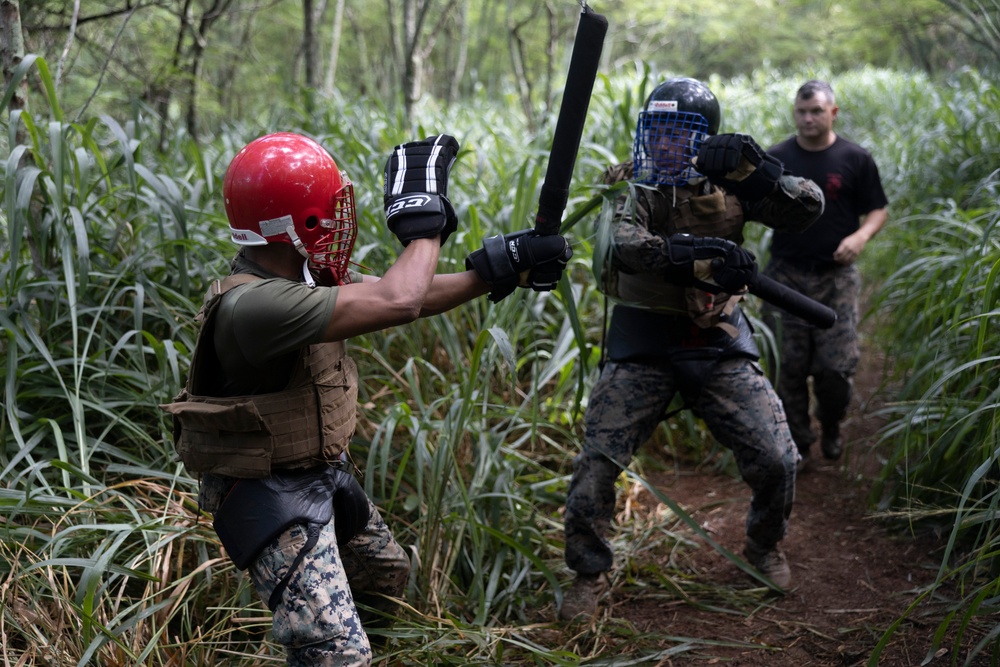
<point>515,257</point>
<point>416,187</point>
<point>409,201</point>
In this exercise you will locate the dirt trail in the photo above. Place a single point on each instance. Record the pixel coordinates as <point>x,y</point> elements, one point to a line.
<point>852,577</point>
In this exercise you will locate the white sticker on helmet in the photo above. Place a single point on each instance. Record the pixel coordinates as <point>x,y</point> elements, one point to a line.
<point>663,105</point>
<point>246,237</point>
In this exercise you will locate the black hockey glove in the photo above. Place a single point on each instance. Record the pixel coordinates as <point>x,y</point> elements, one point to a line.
<point>737,163</point>
<point>521,259</point>
<point>710,263</point>
<point>416,188</point>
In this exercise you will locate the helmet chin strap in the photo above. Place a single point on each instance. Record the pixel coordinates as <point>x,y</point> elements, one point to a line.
<point>307,276</point>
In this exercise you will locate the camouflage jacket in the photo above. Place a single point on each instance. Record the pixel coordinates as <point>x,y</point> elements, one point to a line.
<point>632,255</point>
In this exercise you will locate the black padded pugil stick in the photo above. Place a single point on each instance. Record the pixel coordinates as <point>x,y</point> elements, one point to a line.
<point>580,79</point>
<point>783,297</point>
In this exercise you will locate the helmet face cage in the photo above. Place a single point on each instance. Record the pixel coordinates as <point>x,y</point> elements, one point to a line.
<point>328,242</point>
<point>666,140</point>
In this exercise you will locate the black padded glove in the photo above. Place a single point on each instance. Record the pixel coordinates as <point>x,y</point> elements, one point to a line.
<point>521,259</point>
<point>710,263</point>
<point>737,163</point>
<point>416,188</point>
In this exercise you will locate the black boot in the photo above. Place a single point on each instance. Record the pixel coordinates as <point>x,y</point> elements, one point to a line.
<point>831,443</point>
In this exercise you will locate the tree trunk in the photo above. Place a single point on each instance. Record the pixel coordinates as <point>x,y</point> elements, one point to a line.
<point>309,43</point>
<point>225,77</point>
<point>161,91</point>
<point>395,42</point>
<point>11,55</point>
<point>411,70</point>
<point>69,43</point>
<point>376,71</point>
<point>331,69</point>
<point>417,46</point>
<point>194,73</point>
<point>550,54</point>
<point>521,78</point>
<point>463,53</point>
<point>197,52</point>
<point>309,53</point>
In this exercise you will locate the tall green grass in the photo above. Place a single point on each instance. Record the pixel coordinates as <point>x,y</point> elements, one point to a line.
<point>469,420</point>
<point>943,433</point>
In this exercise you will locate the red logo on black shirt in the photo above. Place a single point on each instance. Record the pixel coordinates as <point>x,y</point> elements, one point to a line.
<point>834,182</point>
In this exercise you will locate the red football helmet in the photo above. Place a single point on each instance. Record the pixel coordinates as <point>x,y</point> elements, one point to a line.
<point>285,188</point>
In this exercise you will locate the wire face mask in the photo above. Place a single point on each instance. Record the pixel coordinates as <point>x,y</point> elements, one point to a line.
<point>666,140</point>
<point>329,249</point>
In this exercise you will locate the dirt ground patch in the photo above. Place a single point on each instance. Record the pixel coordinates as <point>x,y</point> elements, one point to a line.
<point>853,574</point>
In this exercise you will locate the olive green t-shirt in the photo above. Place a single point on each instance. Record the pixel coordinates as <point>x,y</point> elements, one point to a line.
<point>260,327</point>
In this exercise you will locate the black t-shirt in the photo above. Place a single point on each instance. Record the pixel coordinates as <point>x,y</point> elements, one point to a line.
<point>850,181</point>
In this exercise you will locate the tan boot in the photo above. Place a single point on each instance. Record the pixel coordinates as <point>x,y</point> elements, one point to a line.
<point>580,599</point>
<point>769,561</point>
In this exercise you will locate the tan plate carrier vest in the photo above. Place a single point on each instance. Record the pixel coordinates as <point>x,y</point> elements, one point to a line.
<point>713,214</point>
<point>309,422</point>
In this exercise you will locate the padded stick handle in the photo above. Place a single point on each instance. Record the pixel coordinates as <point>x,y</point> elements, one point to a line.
<point>580,79</point>
<point>794,302</point>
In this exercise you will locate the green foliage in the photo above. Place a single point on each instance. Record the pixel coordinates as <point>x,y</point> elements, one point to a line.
<point>103,265</point>
<point>216,61</point>
<point>941,262</point>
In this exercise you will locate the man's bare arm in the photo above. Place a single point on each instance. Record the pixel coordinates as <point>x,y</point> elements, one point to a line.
<point>396,298</point>
<point>850,247</point>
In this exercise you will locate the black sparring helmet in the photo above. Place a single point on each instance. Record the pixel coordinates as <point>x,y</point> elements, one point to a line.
<point>686,95</point>
<point>676,118</point>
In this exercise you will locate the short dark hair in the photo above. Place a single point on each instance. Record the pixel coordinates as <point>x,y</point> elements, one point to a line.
<point>808,89</point>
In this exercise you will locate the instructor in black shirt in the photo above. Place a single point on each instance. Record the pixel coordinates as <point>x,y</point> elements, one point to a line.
<point>821,263</point>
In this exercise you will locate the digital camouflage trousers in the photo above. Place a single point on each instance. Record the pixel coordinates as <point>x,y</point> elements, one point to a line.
<point>738,406</point>
<point>318,620</point>
<point>829,356</point>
